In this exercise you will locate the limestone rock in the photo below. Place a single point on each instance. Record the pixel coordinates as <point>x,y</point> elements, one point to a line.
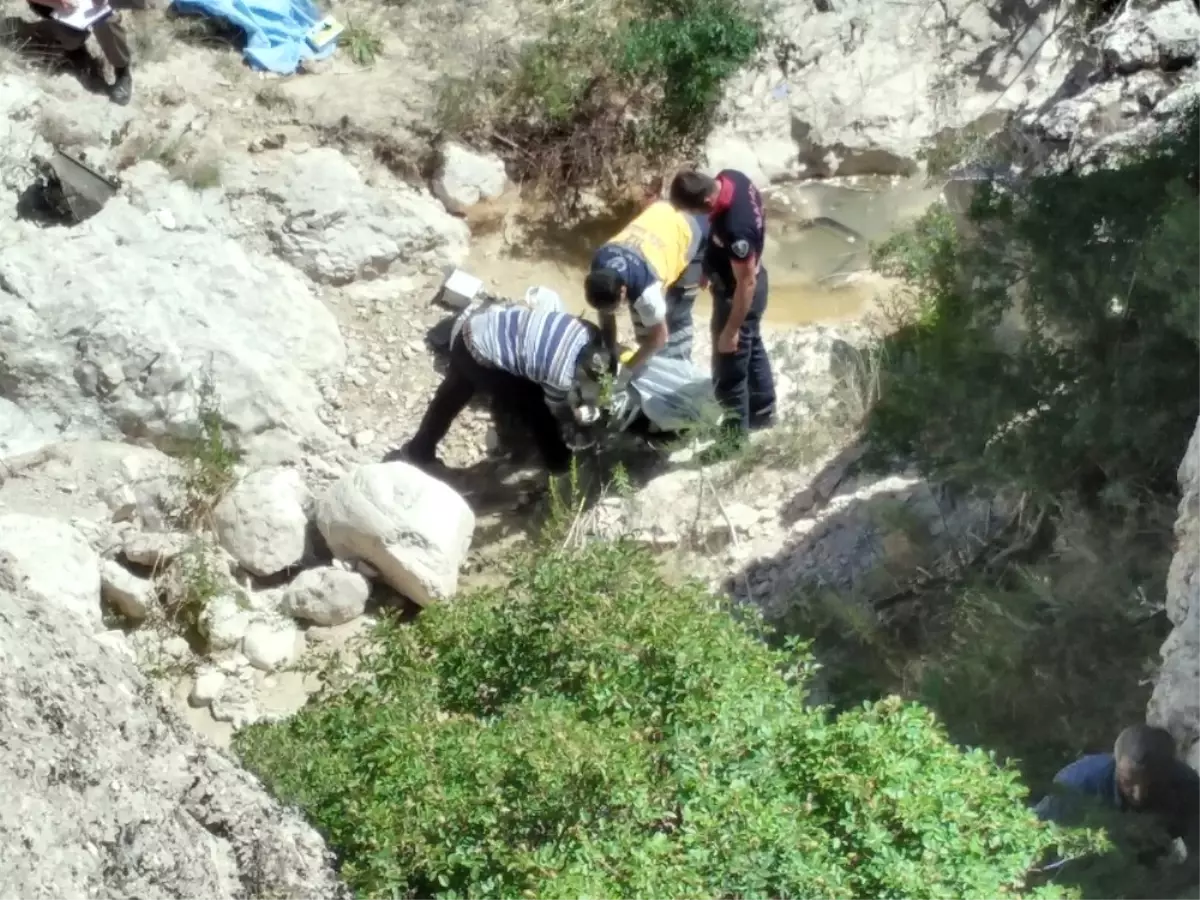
<point>133,597</point>
<point>207,687</point>
<point>465,177</point>
<point>262,521</point>
<point>861,89</point>
<point>225,621</point>
<point>107,794</point>
<point>413,529</point>
<point>51,562</point>
<point>1145,35</point>
<point>18,431</point>
<point>158,312</point>
<point>1175,704</point>
<point>326,596</point>
<point>153,549</point>
<point>331,225</point>
<point>271,644</point>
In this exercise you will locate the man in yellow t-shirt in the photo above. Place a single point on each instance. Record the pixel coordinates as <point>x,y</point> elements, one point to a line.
<point>638,266</point>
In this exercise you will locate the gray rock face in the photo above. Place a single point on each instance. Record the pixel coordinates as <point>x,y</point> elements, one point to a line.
<point>107,795</point>
<point>1140,81</point>
<point>113,338</point>
<point>1175,704</point>
<point>862,87</point>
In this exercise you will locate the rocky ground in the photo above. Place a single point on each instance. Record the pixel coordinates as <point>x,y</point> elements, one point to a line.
<point>270,260</point>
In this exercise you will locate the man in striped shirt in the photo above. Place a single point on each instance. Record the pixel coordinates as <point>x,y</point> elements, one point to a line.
<point>528,361</point>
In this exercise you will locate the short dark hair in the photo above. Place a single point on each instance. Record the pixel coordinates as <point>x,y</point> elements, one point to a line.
<point>597,361</point>
<point>602,289</point>
<point>691,190</point>
<point>1144,747</point>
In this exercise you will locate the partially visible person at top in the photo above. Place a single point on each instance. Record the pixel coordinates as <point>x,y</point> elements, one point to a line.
<point>530,362</point>
<point>637,267</point>
<point>110,36</point>
<point>1142,774</point>
<point>737,278</point>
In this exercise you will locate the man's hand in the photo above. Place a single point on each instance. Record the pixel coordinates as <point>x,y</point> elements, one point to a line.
<point>727,343</point>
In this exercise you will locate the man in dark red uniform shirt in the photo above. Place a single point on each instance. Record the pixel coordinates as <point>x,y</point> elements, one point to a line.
<point>738,280</point>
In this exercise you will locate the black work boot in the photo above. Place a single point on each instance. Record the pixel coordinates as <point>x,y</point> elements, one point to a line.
<point>121,91</point>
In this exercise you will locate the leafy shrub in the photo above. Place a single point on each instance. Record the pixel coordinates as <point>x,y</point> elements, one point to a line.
<point>606,90</point>
<point>593,731</point>
<point>1099,384</point>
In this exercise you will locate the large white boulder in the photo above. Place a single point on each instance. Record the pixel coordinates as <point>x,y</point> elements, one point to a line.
<point>262,521</point>
<point>130,595</point>
<point>51,562</point>
<point>413,529</point>
<point>329,223</point>
<point>465,178</point>
<point>113,329</point>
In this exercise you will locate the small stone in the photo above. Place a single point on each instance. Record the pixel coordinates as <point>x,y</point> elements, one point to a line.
<point>327,596</point>
<point>207,688</point>
<point>133,597</point>
<point>270,645</point>
<point>364,438</point>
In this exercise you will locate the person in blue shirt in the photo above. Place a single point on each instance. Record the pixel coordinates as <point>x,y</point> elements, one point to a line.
<point>530,362</point>
<point>1142,774</point>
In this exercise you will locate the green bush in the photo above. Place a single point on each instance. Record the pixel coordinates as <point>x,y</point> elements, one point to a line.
<point>607,90</point>
<point>591,731</point>
<point>1099,386</point>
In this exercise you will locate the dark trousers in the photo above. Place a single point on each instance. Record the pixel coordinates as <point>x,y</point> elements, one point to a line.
<point>519,397</point>
<point>110,36</point>
<point>742,379</point>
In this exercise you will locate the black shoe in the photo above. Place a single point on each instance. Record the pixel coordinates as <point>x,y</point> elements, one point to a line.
<point>762,422</point>
<point>121,91</point>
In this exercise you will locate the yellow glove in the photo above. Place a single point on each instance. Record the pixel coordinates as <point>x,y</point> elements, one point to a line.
<point>626,355</point>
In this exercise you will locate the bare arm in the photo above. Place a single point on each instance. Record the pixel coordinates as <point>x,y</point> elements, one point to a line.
<point>651,310</point>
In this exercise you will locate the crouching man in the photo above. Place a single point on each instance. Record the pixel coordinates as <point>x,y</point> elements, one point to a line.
<point>1141,775</point>
<point>531,363</point>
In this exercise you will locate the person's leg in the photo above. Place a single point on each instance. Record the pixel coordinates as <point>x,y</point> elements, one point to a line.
<point>114,43</point>
<point>525,400</point>
<point>761,381</point>
<point>730,370</point>
<point>680,304</point>
<point>451,397</point>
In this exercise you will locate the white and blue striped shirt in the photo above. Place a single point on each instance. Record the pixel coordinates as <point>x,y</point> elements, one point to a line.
<point>539,345</point>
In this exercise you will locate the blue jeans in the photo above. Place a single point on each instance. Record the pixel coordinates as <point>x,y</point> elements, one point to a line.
<point>743,381</point>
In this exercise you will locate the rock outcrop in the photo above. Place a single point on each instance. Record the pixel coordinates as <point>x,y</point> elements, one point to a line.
<point>1175,704</point>
<point>107,794</point>
<point>863,87</point>
<point>1138,79</point>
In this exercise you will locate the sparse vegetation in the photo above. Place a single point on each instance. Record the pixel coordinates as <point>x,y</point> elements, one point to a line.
<point>210,458</point>
<point>590,730</point>
<point>605,91</point>
<point>361,41</point>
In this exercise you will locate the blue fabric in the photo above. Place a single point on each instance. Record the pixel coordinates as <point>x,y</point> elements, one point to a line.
<point>1092,776</point>
<point>275,30</point>
<point>634,271</point>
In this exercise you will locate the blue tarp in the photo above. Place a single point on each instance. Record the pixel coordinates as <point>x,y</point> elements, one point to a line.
<point>275,29</point>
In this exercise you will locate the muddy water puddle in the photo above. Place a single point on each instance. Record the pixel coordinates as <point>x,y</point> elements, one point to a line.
<point>818,247</point>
